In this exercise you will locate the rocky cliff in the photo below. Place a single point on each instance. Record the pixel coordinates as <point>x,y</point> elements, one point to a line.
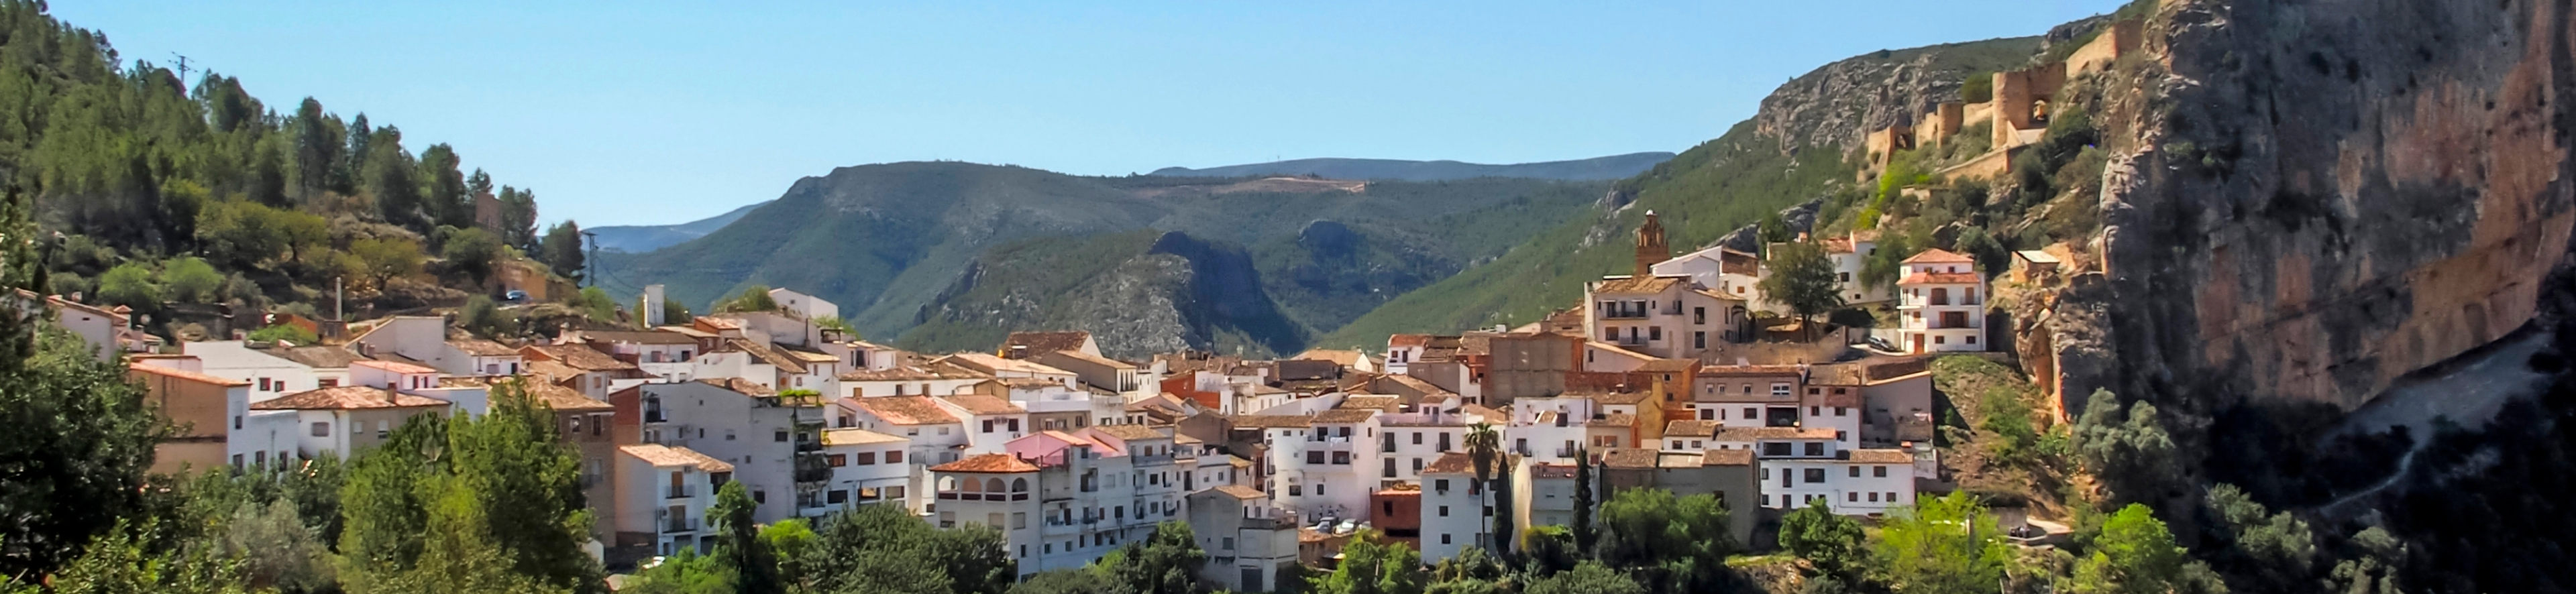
<point>1834,105</point>
<point>1138,293</point>
<point>2309,199</point>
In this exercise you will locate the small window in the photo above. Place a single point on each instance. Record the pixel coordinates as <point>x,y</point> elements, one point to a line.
<point>1444,511</point>
<point>1855,472</point>
<point>779,436</point>
<point>894,457</point>
<point>838,460</point>
<point>1815,475</point>
<point>1878,471</point>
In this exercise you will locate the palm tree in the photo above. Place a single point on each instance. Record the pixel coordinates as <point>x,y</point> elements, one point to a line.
<point>1485,447</point>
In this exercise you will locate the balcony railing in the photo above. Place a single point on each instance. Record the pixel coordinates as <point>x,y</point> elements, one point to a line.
<point>679,492</point>
<point>1565,451</point>
<point>675,525</point>
<point>655,416</point>
<point>977,496</point>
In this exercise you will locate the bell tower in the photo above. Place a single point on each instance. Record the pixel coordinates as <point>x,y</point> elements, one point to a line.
<point>1650,246</point>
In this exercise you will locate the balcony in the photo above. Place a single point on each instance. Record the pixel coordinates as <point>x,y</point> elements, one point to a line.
<point>1567,451</point>
<point>679,492</point>
<point>674,525</point>
<point>1623,314</point>
<point>812,468</point>
<point>655,416</point>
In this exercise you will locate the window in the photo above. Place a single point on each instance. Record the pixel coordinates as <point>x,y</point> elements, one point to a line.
<point>1815,411</point>
<point>1699,340</point>
<point>729,435</point>
<point>1775,449</point>
<point>1851,497</point>
<point>1699,315</point>
<point>1441,485</point>
<point>1972,339</point>
<point>1855,472</point>
<point>1314,456</point>
<point>1654,333</point>
<point>1873,497</point>
<point>894,457</point>
<point>1296,491</point>
<point>1444,538</point>
<point>382,429</point>
<point>1677,444</point>
<point>1878,471</point>
<point>1417,438</point>
<point>1019,520</point>
<point>1815,475</point>
<point>1444,511</point>
<point>1751,413</point>
<point>836,497</point>
<point>237,421</point>
<point>760,497</point>
<point>1841,411</point>
<point>1815,449</point>
<point>1780,389</point>
<point>837,460</point>
<point>864,458</point>
<point>1228,543</point>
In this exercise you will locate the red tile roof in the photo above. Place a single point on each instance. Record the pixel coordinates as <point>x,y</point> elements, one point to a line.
<point>903,410</point>
<point>741,385</point>
<point>1690,428</point>
<point>1727,458</point>
<point>347,398</point>
<point>987,463</point>
<point>576,356</point>
<point>185,375</point>
<point>661,455</point>
<point>1882,456</point>
<point>984,405</point>
<point>1408,340</point>
<point>1344,415</point>
<point>483,348</point>
<point>1633,285</point>
<point>1938,256</point>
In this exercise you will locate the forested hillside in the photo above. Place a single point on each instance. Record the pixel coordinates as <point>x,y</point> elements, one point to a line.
<point>890,242</point>
<point>1596,168</point>
<point>156,187</point>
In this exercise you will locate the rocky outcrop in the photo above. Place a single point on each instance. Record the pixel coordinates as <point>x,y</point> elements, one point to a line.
<point>1833,106</point>
<point>2314,198</point>
<point>1137,293</point>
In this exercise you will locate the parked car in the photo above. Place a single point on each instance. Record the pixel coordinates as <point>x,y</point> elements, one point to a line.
<point>515,296</point>
<point>1882,344</point>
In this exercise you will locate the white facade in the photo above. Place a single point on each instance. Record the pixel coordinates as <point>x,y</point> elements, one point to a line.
<point>1453,508</point>
<point>867,468</point>
<point>1941,304</point>
<point>1867,482</point>
<point>809,306</point>
<point>270,376</point>
<point>1669,317</point>
<point>760,436</point>
<point>665,492</point>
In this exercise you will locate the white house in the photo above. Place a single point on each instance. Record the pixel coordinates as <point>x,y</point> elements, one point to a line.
<point>806,306</point>
<point>270,375</point>
<point>1941,304</point>
<point>773,442</point>
<point>1453,506</point>
<point>663,493</point>
<point>867,468</point>
<point>1251,545</point>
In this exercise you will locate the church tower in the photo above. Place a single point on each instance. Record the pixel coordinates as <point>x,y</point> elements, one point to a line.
<point>1650,246</point>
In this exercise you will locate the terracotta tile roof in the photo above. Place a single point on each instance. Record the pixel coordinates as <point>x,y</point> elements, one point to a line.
<point>690,332</point>
<point>736,384</point>
<point>1616,420</point>
<point>1726,458</point>
<point>1238,492</point>
<point>1452,463</point>
<point>1669,365</point>
<point>1545,470</point>
<point>670,335</point>
<point>1491,415</point>
<point>856,436</point>
<point>1408,340</point>
<point>576,356</point>
<point>319,357</point>
<point>551,371</point>
<point>2037,256</point>
<point>1129,432</point>
<point>1629,458</point>
<point>806,355</point>
<point>763,353</point>
<point>987,463</point>
<point>1093,359</point>
<point>393,366</point>
<point>1747,370</point>
<point>1271,421</point>
<point>483,348</point>
<point>1040,342</point>
<point>1838,374</point>
<point>1068,437</point>
<point>1881,456</point>
<point>1690,428</point>
<point>1837,245</point>
<point>1759,433</point>
<point>903,410</point>
<point>1633,285</point>
<point>558,397</point>
<point>1338,357</point>
<point>347,398</point>
<point>1940,278</point>
<point>1344,416</point>
<point>910,373</point>
<point>984,405</point>
<point>718,323</point>
<point>1620,397</point>
<point>1938,256</point>
<point>1381,403</point>
<point>986,363</point>
<point>661,455</point>
<point>185,375</point>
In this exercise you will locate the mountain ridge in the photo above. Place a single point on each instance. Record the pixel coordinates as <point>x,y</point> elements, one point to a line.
<point>645,238</point>
<point>1597,168</point>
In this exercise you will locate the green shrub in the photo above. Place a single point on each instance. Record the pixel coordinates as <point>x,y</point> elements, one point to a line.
<point>191,280</point>
<point>130,285</point>
<point>286,332</point>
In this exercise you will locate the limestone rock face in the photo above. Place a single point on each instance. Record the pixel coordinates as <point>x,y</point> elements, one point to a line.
<point>2323,196</point>
<point>1834,106</point>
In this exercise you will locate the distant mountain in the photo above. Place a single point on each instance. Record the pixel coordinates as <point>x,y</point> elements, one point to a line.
<point>906,245</point>
<point>1597,168</point>
<point>645,238</point>
<point>1137,292</point>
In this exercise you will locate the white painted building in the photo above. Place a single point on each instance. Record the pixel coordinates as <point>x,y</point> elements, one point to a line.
<point>1942,304</point>
<point>750,427</point>
<point>663,494</point>
<point>270,375</point>
<point>1453,507</point>
<point>867,468</point>
<point>806,306</point>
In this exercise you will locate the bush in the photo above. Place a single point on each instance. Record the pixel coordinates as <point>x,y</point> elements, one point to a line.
<point>471,251</point>
<point>1979,87</point>
<point>130,285</point>
<point>191,280</point>
<point>286,332</point>
<point>481,317</point>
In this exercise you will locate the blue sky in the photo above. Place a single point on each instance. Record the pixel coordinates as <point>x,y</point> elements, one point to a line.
<point>662,112</point>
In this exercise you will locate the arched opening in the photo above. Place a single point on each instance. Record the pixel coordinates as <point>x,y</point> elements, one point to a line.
<point>993,485</point>
<point>1019,485</point>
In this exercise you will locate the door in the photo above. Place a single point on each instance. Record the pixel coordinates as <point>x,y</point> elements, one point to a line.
<point>1918,344</point>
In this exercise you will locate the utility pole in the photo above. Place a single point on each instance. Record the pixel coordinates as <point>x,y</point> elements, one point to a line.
<point>183,70</point>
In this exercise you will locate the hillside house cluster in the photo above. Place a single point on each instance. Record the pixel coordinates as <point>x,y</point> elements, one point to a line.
<point>1071,453</point>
